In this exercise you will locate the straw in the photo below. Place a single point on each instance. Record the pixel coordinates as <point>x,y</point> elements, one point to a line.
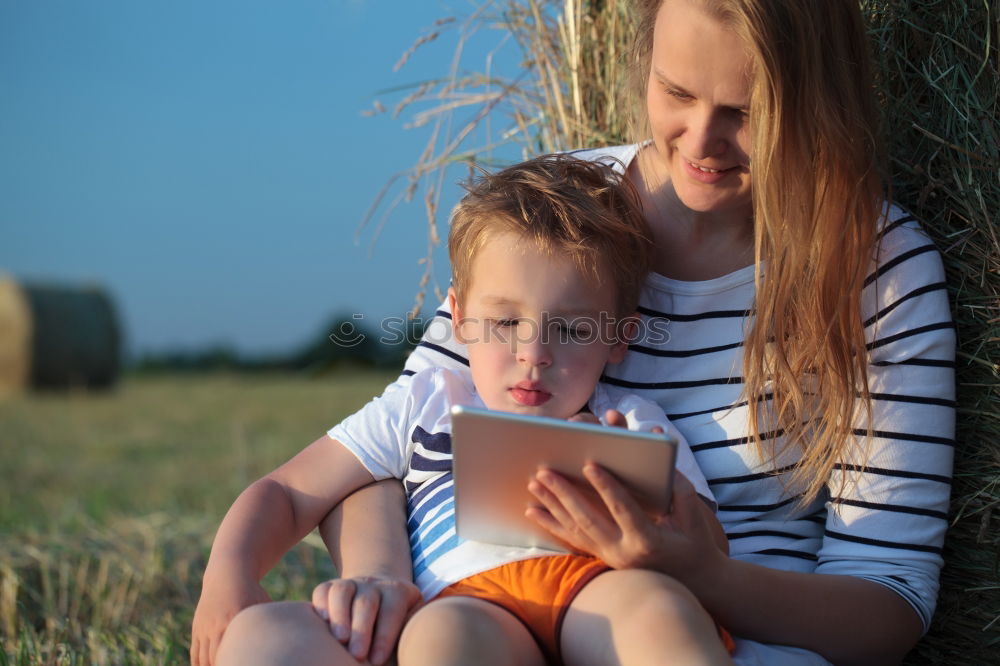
<point>938,72</point>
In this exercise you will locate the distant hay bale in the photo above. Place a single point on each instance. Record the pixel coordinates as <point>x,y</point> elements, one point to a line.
<point>15,338</point>
<point>76,340</point>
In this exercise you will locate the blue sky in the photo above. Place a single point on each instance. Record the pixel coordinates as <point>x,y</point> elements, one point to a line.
<point>207,161</point>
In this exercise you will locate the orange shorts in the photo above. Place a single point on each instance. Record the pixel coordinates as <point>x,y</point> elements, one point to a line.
<point>538,592</point>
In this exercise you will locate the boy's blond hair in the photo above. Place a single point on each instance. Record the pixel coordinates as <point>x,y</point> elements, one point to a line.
<point>568,207</point>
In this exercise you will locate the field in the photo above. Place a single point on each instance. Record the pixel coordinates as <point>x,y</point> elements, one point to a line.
<point>108,505</point>
<point>109,502</point>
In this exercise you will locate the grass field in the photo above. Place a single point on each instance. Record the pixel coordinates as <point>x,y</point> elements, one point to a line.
<point>108,505</point>
<point>109,502</point>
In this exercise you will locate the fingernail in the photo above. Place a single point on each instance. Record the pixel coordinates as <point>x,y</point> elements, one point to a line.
<point>341,633</point>
<point>323,613</point>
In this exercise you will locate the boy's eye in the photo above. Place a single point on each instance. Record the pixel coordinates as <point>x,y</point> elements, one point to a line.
<point>577,333</point>
<point>505,323</point>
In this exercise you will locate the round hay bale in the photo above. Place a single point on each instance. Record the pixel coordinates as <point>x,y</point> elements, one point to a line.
<point>15,338</point>
<point>76,341</point>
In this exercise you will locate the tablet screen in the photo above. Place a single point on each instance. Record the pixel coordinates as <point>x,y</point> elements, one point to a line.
<point>496,454</point>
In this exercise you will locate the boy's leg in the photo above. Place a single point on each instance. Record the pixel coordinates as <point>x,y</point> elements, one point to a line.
<point>281,633</point>
<point>464,630</point>
<point>634,616</point>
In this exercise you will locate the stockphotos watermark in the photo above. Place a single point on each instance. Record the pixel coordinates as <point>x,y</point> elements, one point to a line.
<point>605,329</point>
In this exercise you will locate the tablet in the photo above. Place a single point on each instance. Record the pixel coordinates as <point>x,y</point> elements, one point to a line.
<point>497,453</point>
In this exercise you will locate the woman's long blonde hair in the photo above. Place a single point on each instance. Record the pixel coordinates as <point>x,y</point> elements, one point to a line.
<point>817,195</point>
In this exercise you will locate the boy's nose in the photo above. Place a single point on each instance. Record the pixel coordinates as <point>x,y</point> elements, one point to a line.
<point>534,352</point>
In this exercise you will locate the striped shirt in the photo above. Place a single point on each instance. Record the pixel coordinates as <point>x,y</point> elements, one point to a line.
<point>406,434</point>
<point>889,526</point>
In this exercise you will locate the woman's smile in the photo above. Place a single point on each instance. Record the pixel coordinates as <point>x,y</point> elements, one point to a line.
<point>706,175</point>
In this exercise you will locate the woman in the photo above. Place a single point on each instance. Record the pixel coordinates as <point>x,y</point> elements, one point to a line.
<point>809,362</point>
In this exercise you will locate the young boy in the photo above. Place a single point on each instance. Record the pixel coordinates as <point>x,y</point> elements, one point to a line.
<point>547,258</point>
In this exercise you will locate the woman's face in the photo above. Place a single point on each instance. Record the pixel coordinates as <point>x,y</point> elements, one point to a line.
<point>698,97</point>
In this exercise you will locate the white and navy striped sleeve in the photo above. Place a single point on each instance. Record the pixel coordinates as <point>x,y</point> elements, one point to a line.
<point>377,433</point>
<point>887,523</point>
<point>437,348</point>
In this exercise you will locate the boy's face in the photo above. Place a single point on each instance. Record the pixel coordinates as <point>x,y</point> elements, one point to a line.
<point>537,331</point>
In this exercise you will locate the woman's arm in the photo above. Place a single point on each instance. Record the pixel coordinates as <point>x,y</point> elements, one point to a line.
<point>367,539</point>
<point>366,533</point>
<point>846,619</point>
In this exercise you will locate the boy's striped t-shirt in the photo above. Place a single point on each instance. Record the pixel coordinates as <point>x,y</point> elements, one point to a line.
<point>406,434</point>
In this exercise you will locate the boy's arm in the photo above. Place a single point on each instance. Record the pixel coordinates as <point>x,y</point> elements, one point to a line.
<point>368,542</point>
<point>267,519</point>
<point>275,512</point>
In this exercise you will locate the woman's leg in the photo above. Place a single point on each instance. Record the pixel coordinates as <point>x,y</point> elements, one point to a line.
<point>281,633</point>
<point>464,630</point>
<point>634,616</point>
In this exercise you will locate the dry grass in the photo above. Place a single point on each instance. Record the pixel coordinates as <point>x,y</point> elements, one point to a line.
<point>940,78</point>
<point>110,502</point>
<point>122,593</point>
<point>566,94</point>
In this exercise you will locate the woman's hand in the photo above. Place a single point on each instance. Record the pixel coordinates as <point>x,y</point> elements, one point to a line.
<point>367,613</point>
<point>612,417</point>
<point>219,603</point>
<point>612,526</point>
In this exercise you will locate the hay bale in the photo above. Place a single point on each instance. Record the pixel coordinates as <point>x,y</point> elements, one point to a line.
<point>938,75</point>
<point>76,341</point>
<point>15,338</point>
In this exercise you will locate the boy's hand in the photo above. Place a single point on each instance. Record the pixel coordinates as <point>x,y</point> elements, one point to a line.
<point>367,613</point>
<point>217,606</point>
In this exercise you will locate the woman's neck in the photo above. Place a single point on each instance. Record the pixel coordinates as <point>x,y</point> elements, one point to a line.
<point>691,245</point>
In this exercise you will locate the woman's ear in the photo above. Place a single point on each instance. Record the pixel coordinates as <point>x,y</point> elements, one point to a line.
<point>456,315</point>
<point>626,330</point>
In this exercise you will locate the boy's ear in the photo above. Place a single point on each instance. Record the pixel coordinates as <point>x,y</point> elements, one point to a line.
<point>626,330</point>
<point>456,315</point>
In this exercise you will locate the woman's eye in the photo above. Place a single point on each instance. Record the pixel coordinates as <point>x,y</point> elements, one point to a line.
<point>505,323</point>
<point>677,94</point>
